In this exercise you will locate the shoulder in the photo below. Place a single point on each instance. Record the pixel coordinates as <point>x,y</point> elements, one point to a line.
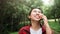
<point>25,28</point>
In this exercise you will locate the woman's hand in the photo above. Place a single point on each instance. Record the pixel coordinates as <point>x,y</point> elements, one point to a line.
<point>48,29</point>
<point>45,20</point>
<point>42,16</point>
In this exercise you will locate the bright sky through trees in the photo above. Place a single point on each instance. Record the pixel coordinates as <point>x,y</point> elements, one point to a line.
<point>48,2</point>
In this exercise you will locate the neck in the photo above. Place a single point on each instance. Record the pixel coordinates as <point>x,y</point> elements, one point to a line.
<point>35,25</point>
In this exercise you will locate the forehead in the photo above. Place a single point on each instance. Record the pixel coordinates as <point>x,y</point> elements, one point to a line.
<point>36,10</point>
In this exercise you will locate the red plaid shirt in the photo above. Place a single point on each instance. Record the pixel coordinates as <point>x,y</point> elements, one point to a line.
<point>26,30</point>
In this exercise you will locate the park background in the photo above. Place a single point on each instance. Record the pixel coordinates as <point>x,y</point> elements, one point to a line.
<point>13,14</point>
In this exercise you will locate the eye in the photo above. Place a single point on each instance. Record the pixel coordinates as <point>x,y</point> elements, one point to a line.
<point>39,11</point>
<point>34,11</point>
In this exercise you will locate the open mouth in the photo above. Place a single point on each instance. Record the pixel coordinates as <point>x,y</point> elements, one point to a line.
<point>37,17</point>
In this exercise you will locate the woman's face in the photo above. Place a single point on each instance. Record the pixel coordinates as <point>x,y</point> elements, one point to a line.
<point>35,15</point>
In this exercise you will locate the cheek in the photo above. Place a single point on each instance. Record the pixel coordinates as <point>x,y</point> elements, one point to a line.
<point>33,14</point>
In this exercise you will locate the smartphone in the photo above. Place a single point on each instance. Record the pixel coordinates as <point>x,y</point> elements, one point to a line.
<point>41,21</point>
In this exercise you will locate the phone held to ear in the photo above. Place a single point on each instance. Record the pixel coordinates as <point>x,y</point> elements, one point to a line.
<point>41,21</point>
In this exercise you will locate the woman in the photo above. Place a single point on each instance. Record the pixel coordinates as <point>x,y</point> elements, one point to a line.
<point>35,16</point>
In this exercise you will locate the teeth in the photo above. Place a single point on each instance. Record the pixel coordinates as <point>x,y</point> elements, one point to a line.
<point>37,16</point>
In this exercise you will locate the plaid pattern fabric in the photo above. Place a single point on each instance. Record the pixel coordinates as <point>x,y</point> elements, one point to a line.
<point>26,30</point>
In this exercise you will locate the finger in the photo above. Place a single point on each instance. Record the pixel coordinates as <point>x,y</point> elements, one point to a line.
<point>40,15</point>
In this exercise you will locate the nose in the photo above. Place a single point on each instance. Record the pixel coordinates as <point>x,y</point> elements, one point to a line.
<point>37,13</point>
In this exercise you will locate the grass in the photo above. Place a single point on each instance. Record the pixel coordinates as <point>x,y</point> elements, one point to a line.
<point>14,33</point>
<point>54,25</point>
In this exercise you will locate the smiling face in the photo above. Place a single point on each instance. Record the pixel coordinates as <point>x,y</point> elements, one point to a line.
<point>35,15</point>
